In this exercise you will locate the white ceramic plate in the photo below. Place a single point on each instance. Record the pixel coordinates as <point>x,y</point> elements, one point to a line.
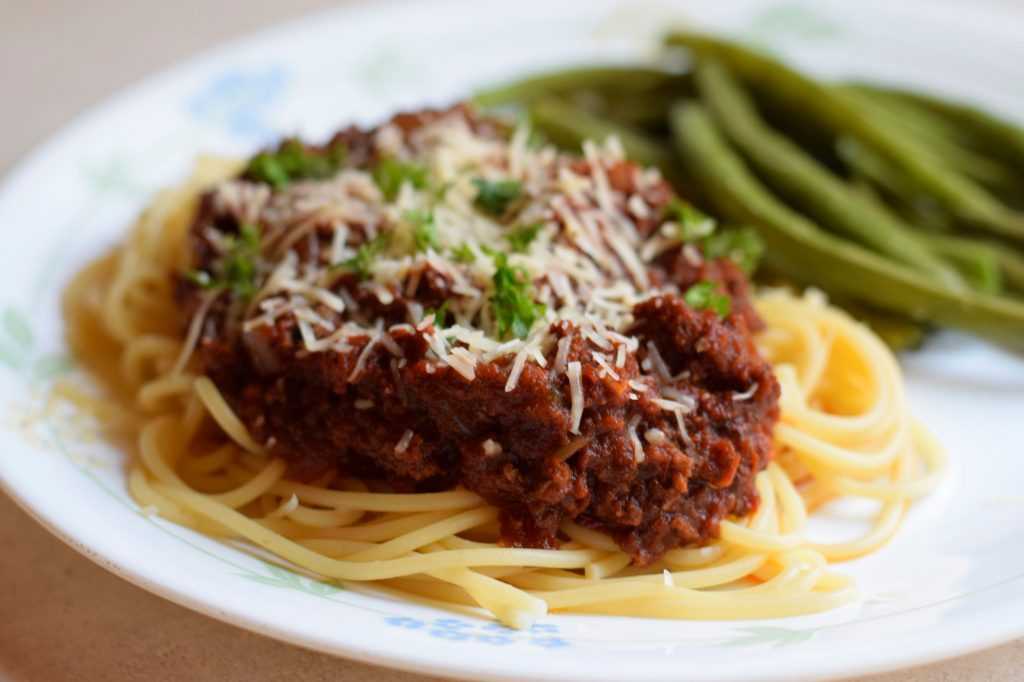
<point>951,582</point>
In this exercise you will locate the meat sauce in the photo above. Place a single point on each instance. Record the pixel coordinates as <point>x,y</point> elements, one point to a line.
<point>388,410</point>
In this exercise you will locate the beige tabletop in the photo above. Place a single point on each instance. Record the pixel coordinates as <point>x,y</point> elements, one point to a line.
<point>62,617</point>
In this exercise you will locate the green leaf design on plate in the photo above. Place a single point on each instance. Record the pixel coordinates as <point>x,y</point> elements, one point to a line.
<point>17,329</point>
<point>114,175</point>
<point>793,20</point>
<point>387,71</point>
<point>18,349</point>
<point>283,578</point>
<point>769,636</point>
<point>11,356</point>
<point>321,589</point>
<point>51,366</point>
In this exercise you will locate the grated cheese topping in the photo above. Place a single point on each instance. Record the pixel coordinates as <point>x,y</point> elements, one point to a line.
<point>403,443</point>
<point>747,394</point>
<point>335,252</point>
<point>575,374</point>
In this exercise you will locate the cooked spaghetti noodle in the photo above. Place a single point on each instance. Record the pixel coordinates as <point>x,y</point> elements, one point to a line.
<point>845,430</point>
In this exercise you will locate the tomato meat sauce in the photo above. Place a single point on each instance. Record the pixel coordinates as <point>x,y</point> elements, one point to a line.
<point>366,310</point>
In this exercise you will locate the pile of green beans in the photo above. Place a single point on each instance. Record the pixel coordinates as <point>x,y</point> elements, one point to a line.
<point>906,209</point>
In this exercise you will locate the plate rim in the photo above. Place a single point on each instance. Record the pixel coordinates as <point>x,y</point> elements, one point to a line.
<point>410,660</point>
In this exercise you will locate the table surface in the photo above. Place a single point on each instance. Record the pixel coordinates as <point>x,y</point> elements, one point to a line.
<point>61,616</point>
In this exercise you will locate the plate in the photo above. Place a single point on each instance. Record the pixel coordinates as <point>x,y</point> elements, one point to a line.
<point>952,580</point>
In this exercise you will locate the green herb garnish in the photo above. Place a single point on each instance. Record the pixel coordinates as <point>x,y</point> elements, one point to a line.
<point>463,253</point>
<point>439,192</point>
<point>390,174</point>
<point>693,223</point>
<point>519,239</point>
<point>440,315</point>
<point>240,267</point>
<point>293,161</point>
<point>702,296</point>
<point>494,197</point>
<point>237,269</point>
<point>360,264</point>
<point>201,278</point>
<point>511,305</point>
<point>741,245</point>
<point>424,231</point>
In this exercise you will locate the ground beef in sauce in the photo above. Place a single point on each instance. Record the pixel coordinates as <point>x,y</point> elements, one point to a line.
<point>350,410</point>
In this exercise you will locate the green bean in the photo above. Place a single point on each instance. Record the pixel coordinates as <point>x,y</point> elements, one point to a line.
<point>647,111</point>
<point>988,264</point>
<point>978,263</point>
<point>1000,138</point>
<point>865,163</point>
<point>623,79</point>
<point>1012,264</point>
<point>568,126</point>
<point>830,106</point>
<point>812,186</point>
<point>917,208</point>
<point>924,122</point>
<point>923,213</point>
<point>898,332</point>
<point>801,249</point>
<point>938,139</point>
<point>633,96</point>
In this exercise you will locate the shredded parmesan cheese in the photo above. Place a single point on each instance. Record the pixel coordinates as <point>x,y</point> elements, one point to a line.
<point>638,447</point>
<point>340,253</point>
<point>403,443</point>
<point>747,394</point>
<point>564,345</point>
<point>286,507</point>
<point>361,360</point>
<point>575,373</point>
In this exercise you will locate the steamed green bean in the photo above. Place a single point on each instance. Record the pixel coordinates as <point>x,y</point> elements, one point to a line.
<point>830,106</point>
<point>990,133</point>
<point>801,249</point>
<point>808,184</point>
<point>569,126</point>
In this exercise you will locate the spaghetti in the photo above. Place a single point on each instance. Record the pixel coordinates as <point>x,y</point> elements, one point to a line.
<point>845,430</point>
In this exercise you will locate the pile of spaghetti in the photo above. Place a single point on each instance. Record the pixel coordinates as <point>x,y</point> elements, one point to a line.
<point>207,454</point>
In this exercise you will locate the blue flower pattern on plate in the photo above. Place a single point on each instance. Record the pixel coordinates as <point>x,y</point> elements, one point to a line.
<point>543,635</point>
<point>403,622</point>
<point>239,100</point>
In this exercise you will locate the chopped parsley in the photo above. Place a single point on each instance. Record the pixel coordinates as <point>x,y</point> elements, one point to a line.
<point>741,245</point>
<point>519,239</point>
<point>237,269</point>
<point>439,192</point>
<point>495,196</point>
<point>702,296</point>
<point>693,223</point>
<point>360,264</point>
<point>201,278</point>
<point>390,174</point>
<point>293,161</point>
<point>463,253</point>
<point>424,231</point>
<point>513,309</point>
<point>440,315</point>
